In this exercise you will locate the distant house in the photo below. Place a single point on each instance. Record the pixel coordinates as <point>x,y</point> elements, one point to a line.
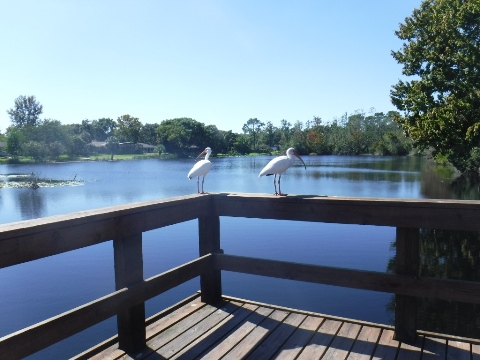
<point>147,148</point>
<point>125,148</point>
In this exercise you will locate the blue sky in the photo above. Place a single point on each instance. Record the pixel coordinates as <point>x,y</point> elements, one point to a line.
<point>219,62</point>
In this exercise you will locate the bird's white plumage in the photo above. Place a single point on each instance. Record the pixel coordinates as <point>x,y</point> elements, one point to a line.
<point>279,165</point>
<point>201,168</point>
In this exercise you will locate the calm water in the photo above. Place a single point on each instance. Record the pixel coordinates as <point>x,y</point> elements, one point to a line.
<point>40,289</point>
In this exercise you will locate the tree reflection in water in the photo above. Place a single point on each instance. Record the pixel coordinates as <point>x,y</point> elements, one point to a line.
<point>32,204</point>
<point>453,255</point>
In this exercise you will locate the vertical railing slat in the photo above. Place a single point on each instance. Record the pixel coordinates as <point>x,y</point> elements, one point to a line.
<point>407,262</point>
<point>129,271</point>
<point>209,242</point>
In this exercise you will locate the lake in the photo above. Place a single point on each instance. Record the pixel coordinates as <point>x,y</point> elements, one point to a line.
<point>72,279</point>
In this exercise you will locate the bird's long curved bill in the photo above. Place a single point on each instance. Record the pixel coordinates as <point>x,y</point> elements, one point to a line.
<point>298,156</point>
<point>202,153</point>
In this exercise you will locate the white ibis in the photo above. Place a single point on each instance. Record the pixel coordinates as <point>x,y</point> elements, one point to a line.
<point>279,165</point>
<point>201,168</point>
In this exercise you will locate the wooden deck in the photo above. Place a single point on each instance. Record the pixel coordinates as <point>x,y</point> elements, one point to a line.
<point>241,329</point>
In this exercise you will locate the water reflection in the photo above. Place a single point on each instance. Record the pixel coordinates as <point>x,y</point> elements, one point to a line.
<point>454,255</point>
<point>31,203</point>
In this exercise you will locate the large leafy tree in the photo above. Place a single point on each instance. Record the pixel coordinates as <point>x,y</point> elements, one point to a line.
<point>103,128</point>
<point>253,127</point>
<point>26,111</point>
<point>441,104</point>
<point>148,134</point>
<point>128,128</point>
<point>182,136</point>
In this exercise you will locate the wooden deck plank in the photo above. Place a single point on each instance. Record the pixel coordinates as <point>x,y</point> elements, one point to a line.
<point>411,351</point>
<point>276,339</point>
<point>174,317</point>
<point>320,340</point>
<point>240,329</point>
<point>171,332</point>
<point>295,344</point>
<point>434,348</point>
<point>458,350</point>
<point>475,352</point>
<point>216,334</point>
<point>365,344</point>
<point>238,334</point>
<point>343,342</point>
<point>171,317</point>
<point>252,340</point>
<point>188,335</point>
<point>387,347</point>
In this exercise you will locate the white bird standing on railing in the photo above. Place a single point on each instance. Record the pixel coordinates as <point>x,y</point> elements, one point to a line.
<point>201,168</point>
<point>279,165</point>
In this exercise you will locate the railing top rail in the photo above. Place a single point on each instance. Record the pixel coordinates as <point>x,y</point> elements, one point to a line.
<point>26,227</point>
<point>34,239</point>
<point>410,213</point>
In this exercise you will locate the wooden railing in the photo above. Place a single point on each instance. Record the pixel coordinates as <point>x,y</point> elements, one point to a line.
<point>34,239</point>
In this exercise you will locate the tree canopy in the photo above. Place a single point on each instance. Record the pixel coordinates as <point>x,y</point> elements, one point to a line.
<point>441,52</point>
<point>356,133</point>
<point>26,112</point>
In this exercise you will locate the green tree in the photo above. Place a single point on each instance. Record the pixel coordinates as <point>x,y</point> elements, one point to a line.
<point>286,131</point>
<point>441,51</point>
<point>148,134</point>
<point>54,138</point>
<point>14,141</point>
<point>103,128</point>
<point>112,145</point>
<point>128,128</point>
<point>26,111</point>
<point>37,150</point>
<point>182,136</point>
<point>252,127</point>
<point>272,135</point>
<point>215,139</point>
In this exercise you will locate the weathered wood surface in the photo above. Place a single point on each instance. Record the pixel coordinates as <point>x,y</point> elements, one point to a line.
<point>34,239</point>
<point>452,290</point>
<point>407,262</point>
<point>408,213</point>
<point>241,329</point>
<point>38,336</point>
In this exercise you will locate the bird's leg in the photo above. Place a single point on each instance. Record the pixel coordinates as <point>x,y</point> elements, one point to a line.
<point>279,190</point>
<point>198,185</point>
<point>203,180</point>
<point>275,184</point>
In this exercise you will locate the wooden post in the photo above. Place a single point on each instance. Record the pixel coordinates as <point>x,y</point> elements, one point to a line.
<point>209,242</point>
<point>129,271</point>
<point>407,262</point>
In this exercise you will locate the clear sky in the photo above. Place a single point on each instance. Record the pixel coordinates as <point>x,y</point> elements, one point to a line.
<point>219,62</point>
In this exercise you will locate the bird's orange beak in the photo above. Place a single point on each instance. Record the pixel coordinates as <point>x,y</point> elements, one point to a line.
<point>298,156</point>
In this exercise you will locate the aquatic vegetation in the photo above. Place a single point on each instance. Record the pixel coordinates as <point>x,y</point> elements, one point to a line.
<point>32,181</point>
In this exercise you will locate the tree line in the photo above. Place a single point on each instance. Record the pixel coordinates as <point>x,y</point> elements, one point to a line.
<point>353,134</point>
